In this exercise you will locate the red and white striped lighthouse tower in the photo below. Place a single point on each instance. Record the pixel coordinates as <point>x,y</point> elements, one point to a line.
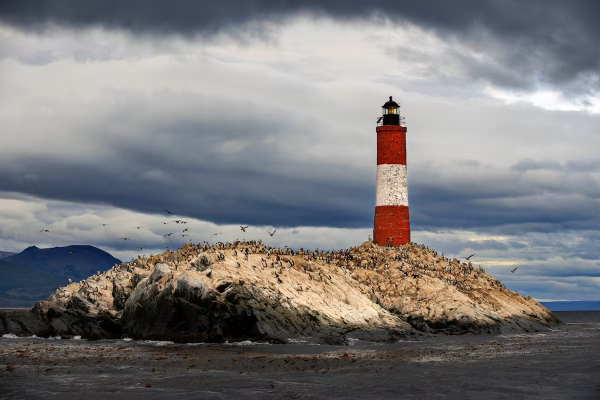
<point>391,201</point>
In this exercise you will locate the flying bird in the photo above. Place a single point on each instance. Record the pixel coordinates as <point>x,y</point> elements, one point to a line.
<point>186,229</point>
<point>184,235</point>
<point>169,234</point>
<point>138,227</point>
<point>270,232</point>
<point>45,230</point>
<point>168,212</point>
<point>468,258</point>
<point>216,234</point>
<point>125,238</point>
<point>71,251</point>
<point>70,270</point>
<point>244,228</point>
<point>102,224</point>
<point>139,247</point>
<point>166,223</point>
<point>513,270</point>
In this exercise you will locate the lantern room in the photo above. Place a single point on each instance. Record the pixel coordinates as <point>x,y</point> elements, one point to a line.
<point>391,113</point>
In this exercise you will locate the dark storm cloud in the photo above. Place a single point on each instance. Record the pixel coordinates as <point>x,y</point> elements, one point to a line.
<point>223,191</point>
<point>527,43</point>
<point>182,162</point>
<point>517,198</point>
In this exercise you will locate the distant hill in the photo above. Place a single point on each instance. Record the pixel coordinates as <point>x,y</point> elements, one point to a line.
<point>83,262</point>
<point>36,273</point>
<point>6,254</point>
<point>571,305</point>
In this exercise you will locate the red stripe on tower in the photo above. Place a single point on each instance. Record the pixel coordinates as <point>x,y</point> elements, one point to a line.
<point>391,223</point>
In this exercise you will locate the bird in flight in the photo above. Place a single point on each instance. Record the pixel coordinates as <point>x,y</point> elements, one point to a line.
<point>168,212</point>
<point>185,229</point>
<point>138,227</point>
<point>169,234</point>
<point>70,270</point>
<point>216,234</point>
<point>139,247</point>
<point>270,232</point>
<point>468,258</point>
<point>125,238</point>
<point>166,223</point>
<point>244,228</point>
<point>513,270</point>
<point>71,251</point>
<point>183,222</point>
<point>102,224</point>
<point>177,221</point>
<point>45,230</point>
<point>184,235</point>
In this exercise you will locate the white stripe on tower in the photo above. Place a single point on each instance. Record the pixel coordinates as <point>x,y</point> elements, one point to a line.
<point>392,188</point>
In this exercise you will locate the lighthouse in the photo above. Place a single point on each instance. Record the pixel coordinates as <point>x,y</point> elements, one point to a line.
<point>391,225</point>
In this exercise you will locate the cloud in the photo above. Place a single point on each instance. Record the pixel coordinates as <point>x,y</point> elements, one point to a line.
<point>513,44</point>
<point>236,137</point>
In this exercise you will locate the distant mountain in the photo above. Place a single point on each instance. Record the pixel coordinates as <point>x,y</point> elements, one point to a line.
<point>6,254</point>
<point>571,305</point>
<point>36,273</point>
<point>75,262</point>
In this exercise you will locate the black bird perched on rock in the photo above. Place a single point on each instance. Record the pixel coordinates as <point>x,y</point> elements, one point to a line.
<point>513,270</point>
<point>169,234</point>
<point>168,212</point>
<point>270,232</point>
<point>45,230</point>
<point>244,228</point>
<point>468,258</point>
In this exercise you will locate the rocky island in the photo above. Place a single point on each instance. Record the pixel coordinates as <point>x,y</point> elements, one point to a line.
<point>247,290</point>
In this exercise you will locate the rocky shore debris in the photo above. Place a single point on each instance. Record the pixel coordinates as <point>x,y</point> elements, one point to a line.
<point>247,290</point>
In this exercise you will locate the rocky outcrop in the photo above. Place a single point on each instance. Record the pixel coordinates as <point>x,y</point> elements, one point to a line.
<point>249,291</point>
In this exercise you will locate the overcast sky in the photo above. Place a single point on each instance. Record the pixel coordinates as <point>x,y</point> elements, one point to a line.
<point>263,113</point>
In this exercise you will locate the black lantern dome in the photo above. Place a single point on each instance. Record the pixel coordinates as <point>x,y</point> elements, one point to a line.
<point>391,113</point>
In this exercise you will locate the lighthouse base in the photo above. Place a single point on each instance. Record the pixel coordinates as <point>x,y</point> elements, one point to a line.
<point>392,225</point>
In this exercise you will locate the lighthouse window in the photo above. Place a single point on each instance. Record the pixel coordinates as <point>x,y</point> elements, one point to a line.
<point>392,111</point>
